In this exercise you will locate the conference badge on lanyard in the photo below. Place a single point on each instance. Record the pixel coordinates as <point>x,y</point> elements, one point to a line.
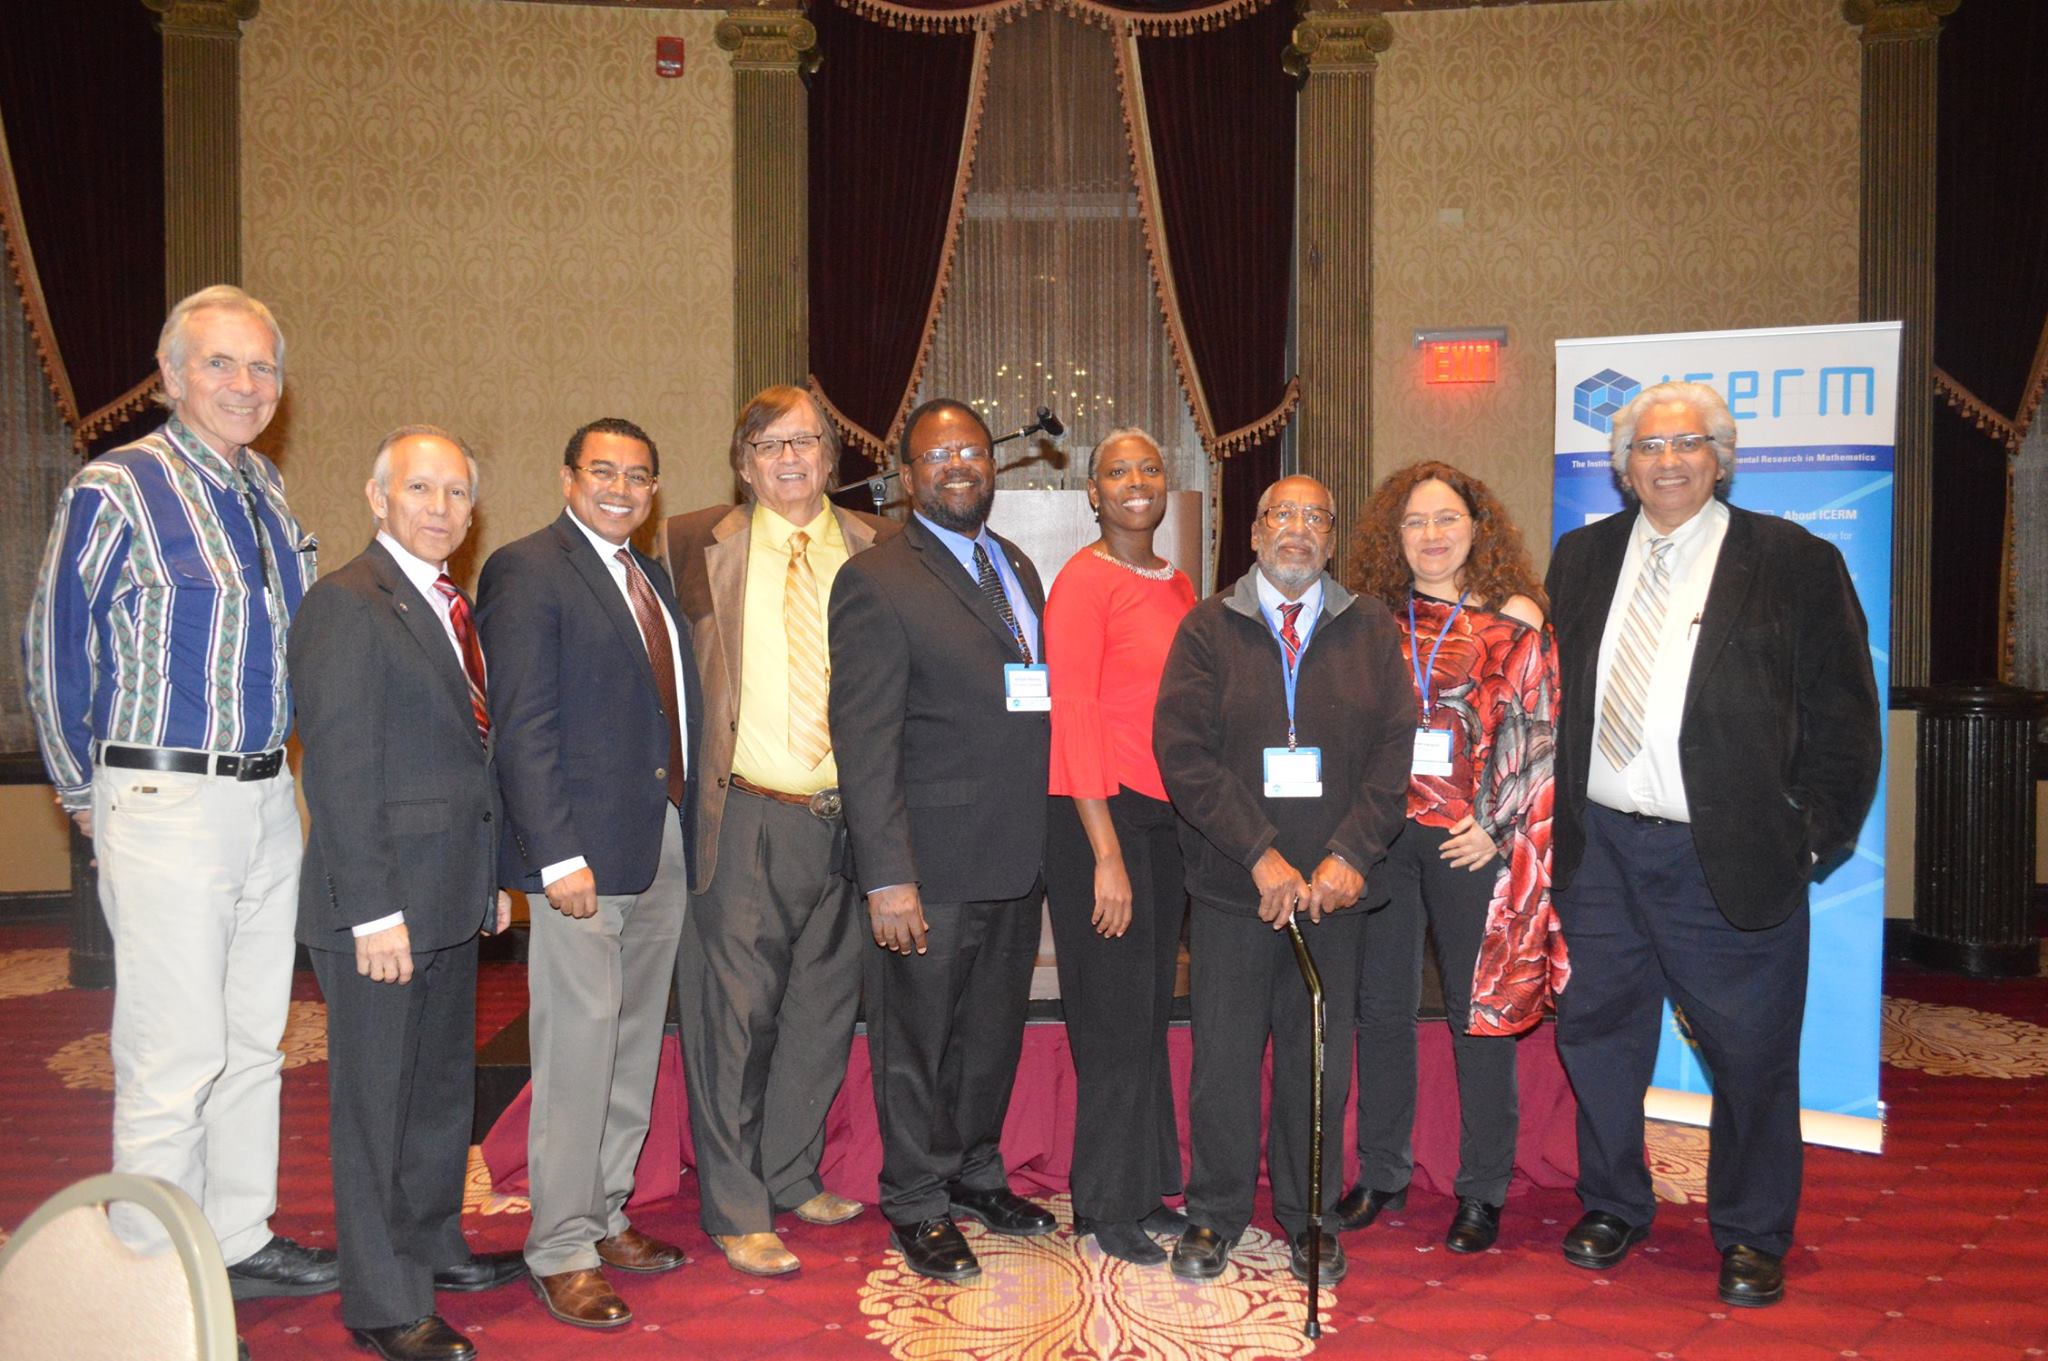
<point>1293,771</point>
<point>1432,745</point>
<point>1026,689</point>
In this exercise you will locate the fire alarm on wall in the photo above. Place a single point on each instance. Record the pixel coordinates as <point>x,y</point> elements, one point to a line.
<point>668,57</point>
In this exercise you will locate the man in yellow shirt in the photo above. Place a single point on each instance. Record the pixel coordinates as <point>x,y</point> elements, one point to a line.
<point>768,971</point>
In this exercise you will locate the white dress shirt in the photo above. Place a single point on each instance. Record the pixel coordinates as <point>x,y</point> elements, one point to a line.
<point>607,553</point>
<point>1653,783</point>
<point>422,575</point>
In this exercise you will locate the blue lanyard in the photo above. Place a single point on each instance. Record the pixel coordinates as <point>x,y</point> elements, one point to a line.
<point>1290,673</point>
<point>1425,674</point>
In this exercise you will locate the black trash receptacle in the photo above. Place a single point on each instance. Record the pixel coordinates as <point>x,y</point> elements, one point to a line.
<point>1973,877</point>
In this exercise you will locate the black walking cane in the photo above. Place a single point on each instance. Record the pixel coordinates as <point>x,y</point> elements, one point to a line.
<point>1313,1328</point>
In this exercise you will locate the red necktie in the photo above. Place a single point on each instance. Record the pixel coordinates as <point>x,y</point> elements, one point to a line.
<point>1288,613</point>
<point>472,655</point>
<point>654,632</point>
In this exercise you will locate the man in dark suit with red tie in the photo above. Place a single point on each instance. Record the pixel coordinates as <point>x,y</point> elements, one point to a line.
<point>939,721</point>
<point>594,698</point>
<point>400,875</point>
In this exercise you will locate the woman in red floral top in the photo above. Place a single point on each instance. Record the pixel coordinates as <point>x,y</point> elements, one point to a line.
<point>1113,877</point>
<point>1473,861</point>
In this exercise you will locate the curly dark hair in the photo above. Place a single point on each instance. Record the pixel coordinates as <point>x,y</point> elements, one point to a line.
<point>1497,570</point>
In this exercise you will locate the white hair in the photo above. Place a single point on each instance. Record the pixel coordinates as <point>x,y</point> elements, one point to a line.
<point>380,467</point>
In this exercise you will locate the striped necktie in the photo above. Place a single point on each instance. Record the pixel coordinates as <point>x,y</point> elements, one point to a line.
<point>1288,614</point>
<point>810,736</point>
<point>1635,655</point>
<point>992,588</point>
<point>472,656</point>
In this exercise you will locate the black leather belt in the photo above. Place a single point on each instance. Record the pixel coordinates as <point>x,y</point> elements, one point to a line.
<point>823,804</point>
<point>259,765</point>
<point>1643,818</point>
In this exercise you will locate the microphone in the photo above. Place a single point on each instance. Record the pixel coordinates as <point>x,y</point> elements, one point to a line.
<point>1050,423</point>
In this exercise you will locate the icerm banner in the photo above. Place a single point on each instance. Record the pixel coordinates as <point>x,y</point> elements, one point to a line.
<point>1815,410</point>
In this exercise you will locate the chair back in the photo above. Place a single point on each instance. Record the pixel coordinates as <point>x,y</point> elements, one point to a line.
<point>70,1288</point>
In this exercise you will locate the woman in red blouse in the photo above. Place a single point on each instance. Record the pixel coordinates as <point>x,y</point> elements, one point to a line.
<point>1113,867</point>
<point>1473,861</point>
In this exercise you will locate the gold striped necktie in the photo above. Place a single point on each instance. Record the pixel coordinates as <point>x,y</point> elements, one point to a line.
<point>1635,657</point>
<point>810,736</point>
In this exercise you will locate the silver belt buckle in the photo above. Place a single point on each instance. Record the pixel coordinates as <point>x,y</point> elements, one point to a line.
<point>825,804</point>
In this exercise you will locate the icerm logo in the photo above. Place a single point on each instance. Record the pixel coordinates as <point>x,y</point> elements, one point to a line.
<point>1595,401</point>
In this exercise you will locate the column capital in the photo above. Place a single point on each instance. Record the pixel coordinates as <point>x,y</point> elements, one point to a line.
<point>769,37</point>
<point>1898,20</point>
<point>1336,35</point>
<point>204,18</point>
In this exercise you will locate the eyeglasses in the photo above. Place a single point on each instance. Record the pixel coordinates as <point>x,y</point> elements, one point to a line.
<point>771,448</point>
<point>1311,517</point>
<point>1655,445</point>
<point>605,475</point>
<point>940,457</point>
<point>1445,520</point>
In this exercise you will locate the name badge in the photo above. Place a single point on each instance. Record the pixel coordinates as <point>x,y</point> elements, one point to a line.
<point>1432,752</point>
<point>1295,773</point>
<point>1026,689</point>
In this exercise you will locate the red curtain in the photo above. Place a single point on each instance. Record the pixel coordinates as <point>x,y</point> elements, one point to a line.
<point>81,94</point>
<point>888,107</point>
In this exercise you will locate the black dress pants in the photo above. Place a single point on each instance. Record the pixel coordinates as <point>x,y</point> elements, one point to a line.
<point>1118,994</point>
<point>1452,904</point>
<point>1643,926</point>
<point>1245,986</point>
<point>944,1031</point>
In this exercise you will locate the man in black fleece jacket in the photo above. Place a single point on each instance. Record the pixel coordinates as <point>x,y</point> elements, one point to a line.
<point>1289,792</point>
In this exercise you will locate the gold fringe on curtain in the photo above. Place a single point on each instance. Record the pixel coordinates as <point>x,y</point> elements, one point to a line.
<point>1977,411</point>
<point>850,430</point>
<point>21,264</point>
<point>1109,17</point>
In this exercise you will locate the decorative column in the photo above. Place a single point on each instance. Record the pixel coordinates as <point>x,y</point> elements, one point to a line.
<point>773,47</point>
<point>1895,279</point>
<point>202,141</point>
<point>1335,53</point>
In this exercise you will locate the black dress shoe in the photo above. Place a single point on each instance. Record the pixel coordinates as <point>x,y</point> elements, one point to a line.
<point>1360,1207</point>
<point>1751,1279</point>
<point>935,1248</point>
<point>241,1348</point>
<point>429,1339</point>
<point>1165,1220</point>
<point>1003,1210</point>
<point>1201,1254</point>
<point>282,1267</point>
<point>1599,1240</point>
<point>1474,1226</point>
<point>1329,1270</point>
<point>484,1271</point>
<point>1123,1239</point>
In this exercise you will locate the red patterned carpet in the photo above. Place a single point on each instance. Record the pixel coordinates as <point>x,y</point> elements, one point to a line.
<point>1937,1249</point>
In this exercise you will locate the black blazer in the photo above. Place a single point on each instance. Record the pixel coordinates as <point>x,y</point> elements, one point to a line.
<point>943,787</point>
<point>1781,736</point>
<point>582,739</point>
<point>403,797</point>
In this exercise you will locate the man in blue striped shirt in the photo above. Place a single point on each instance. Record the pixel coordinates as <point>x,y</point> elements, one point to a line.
<point>155,651</point>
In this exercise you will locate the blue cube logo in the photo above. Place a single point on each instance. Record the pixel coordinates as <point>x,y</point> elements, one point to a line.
<point>1595,401</point>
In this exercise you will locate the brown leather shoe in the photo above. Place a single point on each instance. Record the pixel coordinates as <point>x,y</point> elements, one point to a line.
<point>633,1250</point>
<point>827,1209</point>
<point>757,1254</point>
<point>583,1297</point>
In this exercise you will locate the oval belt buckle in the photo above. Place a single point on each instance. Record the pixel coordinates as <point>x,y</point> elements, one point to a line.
<point>825,804</point>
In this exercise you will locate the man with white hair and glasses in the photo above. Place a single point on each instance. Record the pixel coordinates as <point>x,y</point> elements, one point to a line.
<point>1717,739</point>
<point>155,651</point>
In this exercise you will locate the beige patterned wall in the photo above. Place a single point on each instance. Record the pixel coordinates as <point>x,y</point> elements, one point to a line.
<point>495,217</point>
<point>1599,169</point>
